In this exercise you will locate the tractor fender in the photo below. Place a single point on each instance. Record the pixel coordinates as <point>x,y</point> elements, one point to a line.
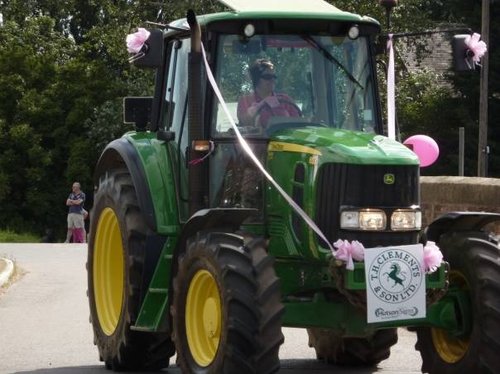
<point>225,219</point>
<point>459,221</point>
<point>121,153</point>
<point>228,219</point>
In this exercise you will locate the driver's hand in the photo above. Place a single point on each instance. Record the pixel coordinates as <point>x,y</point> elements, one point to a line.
<point>253,109</point>
<point>272,101</point>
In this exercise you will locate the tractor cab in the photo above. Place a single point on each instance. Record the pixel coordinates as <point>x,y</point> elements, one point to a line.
<point>322,81</point>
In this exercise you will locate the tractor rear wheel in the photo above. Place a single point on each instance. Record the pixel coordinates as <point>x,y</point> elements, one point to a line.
<point>115,272</point>
<point>352,351</point>
<point>226,309</point>
<point>475,267</point>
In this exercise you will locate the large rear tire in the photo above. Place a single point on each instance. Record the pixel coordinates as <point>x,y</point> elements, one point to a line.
<point>115,266</point>
<point>475,267</point>
<point>226,308</point>
<point>352,351</point>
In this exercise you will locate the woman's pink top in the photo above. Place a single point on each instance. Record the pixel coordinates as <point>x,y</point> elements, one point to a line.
<point>286,108</point>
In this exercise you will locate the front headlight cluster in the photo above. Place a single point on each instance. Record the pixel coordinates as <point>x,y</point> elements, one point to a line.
<point>376,220</point>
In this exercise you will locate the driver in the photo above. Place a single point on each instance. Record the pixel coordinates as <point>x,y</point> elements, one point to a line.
<point>256,109</point>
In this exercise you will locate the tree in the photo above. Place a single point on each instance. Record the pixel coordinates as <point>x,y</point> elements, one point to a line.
<point>420,97</point>
<point>64,72</point>
<point>30,58</point>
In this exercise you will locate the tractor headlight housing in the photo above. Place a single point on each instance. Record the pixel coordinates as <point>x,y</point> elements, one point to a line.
<point>363,219</point>
<point>406,220</point>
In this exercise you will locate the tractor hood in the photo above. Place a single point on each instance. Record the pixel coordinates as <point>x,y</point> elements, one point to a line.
<point>336,145</point>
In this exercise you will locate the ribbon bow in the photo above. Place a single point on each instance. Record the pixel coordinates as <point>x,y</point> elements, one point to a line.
<point>348,251</point>
<point>432,257</point>
<point>136,41</point>
<point>476,47</point>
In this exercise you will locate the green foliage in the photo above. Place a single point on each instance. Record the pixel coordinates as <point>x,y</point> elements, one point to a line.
<point>422,105</point>
<point>64,72</point>
<point>438,107</point>
<point>8,236</point>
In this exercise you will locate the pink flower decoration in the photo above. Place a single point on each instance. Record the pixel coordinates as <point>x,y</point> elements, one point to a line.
<point>136,41</point>
<point>432,257</point>
<point>348,251</point>
<point>476,46</point>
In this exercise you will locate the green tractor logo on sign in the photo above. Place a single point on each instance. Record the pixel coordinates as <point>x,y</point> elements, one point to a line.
<point>395,275</point>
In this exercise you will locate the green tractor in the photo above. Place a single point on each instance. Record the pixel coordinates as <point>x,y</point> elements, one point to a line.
<point>194,251</point>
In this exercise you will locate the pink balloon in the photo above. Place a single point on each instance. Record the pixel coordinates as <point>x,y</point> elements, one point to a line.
<point>425,147</point>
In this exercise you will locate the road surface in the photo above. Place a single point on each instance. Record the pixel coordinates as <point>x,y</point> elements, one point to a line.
<point>44,326</point>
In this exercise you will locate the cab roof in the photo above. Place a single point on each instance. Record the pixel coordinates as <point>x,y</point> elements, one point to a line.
<point>279,5</point>
<point>279,9</point>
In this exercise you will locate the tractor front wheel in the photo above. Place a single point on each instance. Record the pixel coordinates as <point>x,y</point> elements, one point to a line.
<point>226,309</point>
<point>475,268</point>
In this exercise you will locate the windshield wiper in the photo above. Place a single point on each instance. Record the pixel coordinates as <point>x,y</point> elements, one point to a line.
<point>330,58</point>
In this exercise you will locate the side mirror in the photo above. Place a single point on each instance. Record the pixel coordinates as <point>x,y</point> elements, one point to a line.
<point>151,55</point>
<point>137,111</point>
<point>462,57</point>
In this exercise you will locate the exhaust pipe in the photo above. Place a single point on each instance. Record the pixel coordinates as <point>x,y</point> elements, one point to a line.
<point>198,180</point>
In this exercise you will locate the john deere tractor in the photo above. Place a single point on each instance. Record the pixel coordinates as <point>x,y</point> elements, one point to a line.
<point>194,251</point>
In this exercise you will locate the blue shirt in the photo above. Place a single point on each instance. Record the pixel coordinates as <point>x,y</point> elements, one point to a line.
<point>76,208</point>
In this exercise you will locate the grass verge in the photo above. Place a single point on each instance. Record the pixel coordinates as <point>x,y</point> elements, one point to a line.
<point>8,236</point>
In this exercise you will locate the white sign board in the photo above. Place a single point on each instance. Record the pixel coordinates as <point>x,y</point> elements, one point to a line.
<point>395,283</point>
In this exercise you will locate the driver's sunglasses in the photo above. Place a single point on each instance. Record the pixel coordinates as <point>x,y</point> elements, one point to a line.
<point>268,77</point>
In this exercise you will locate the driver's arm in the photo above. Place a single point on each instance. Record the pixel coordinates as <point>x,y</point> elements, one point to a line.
<point>247,110</point>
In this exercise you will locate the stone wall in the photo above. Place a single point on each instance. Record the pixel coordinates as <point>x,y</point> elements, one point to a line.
<point>438,58</point>
<point>445,194</point>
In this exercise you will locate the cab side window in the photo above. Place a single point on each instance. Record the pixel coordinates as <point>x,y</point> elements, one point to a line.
<point>176,91</point>
<point>175,115</point>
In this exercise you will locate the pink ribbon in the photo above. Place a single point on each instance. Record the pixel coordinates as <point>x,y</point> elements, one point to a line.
<point>349,251</point>
<point>391,92</point>
<point>136,41</point>
<point>476,46</point>
<point>432,257</point>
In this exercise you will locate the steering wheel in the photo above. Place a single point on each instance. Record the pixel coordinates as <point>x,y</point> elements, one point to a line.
<point>273,127</point>
<point>266,106</point>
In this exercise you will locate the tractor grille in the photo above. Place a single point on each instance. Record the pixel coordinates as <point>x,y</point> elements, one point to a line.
<point>346,185</point>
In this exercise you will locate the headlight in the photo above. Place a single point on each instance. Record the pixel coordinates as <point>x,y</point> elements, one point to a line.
<point>406,219</point>
<point>349,220</point>
<point>364,219</point>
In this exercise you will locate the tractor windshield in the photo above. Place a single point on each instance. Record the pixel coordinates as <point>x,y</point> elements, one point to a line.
<point>313,80</point>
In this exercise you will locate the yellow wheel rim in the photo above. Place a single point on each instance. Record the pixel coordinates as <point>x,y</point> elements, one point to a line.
<point>450,348</point>
<point>203,318</point>
<point>108,270</point>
